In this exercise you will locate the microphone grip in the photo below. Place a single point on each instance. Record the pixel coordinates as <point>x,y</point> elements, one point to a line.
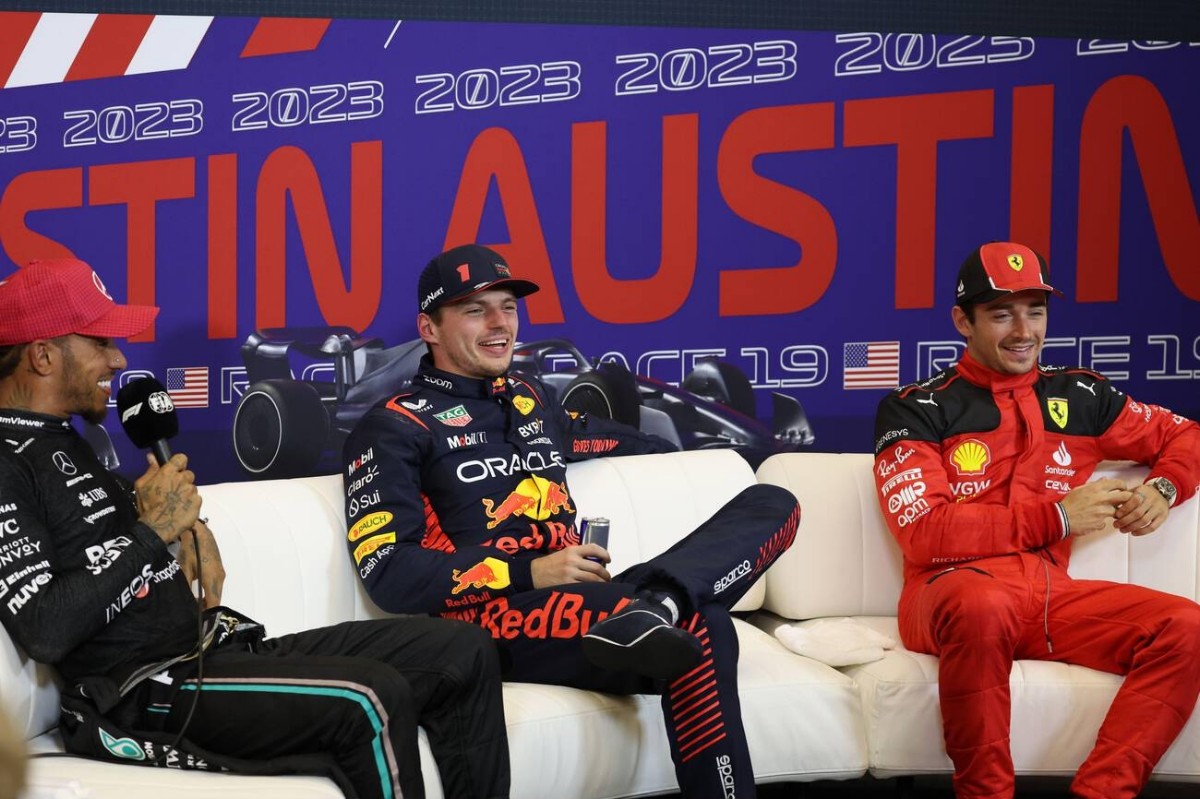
<point>161,450</point>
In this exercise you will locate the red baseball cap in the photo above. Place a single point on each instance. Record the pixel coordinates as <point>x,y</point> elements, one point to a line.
<point>46,299</point>
<point>999,268</point>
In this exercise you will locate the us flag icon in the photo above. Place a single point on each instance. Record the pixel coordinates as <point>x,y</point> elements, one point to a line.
<point>188,386</point>
<point>871,364</point>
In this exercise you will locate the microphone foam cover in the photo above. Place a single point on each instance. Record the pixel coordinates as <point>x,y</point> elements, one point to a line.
<point>147,413</point>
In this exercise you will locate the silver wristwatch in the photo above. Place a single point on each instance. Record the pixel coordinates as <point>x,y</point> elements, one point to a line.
<point>1165,487</point>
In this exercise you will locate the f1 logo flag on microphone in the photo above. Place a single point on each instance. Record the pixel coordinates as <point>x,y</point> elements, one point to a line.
<point>188,386</point>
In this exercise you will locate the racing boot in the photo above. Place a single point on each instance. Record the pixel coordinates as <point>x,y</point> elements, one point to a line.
<point>641,638</point>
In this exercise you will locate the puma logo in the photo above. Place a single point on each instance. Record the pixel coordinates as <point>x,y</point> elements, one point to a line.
<point>930,401</point>
<point>1091,387</point>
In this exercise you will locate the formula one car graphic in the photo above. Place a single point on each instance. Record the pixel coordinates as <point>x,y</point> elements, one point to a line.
<point>288,427</point>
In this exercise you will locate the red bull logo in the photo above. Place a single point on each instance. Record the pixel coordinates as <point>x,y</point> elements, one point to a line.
<point>563,615</point>
<point>488,573</point>
<point>534,497</point>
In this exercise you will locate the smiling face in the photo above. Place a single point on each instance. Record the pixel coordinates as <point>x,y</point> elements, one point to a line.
<point>474,337</point>
<point>1006,334</point>
<point>85,378</point>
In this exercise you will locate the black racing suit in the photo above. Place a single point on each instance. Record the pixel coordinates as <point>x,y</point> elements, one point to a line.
<point>455,486</point>
<point>87,588</point>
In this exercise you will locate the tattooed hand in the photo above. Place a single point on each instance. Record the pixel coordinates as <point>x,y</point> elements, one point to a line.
<point>167,499</point>
<point>209,569</point>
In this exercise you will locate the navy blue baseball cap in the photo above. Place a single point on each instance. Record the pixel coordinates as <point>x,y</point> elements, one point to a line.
<point>458,273</point>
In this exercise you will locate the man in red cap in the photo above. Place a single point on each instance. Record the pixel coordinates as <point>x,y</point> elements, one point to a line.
<point>89,584</point>
<point>982,473</point>
<point>457,503</point>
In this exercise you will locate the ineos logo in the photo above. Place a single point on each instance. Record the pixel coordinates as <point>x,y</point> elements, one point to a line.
<point>64,463</point>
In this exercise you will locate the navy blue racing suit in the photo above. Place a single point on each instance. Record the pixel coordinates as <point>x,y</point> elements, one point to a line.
<point>455,486</point>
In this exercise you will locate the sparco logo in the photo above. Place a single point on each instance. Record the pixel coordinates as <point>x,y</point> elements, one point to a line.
<point>725,772</point>
<point>739,571</point>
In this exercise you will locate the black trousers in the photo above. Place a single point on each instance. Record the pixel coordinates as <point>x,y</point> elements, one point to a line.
<point>710,569</point>
<point>353,693</point>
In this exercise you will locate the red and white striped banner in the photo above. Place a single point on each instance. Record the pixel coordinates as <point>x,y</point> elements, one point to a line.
<point>38,48</point>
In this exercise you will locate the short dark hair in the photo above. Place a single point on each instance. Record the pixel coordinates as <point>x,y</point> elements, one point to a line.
<point>10,356</point>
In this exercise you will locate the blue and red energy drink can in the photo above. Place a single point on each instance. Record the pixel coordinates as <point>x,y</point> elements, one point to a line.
<point>594,530</point>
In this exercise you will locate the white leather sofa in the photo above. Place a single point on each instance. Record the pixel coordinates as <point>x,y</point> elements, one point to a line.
<point>845,563</point>
<point>282,543</point>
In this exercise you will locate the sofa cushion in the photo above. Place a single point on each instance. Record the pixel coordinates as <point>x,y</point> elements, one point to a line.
<point>802,719</point>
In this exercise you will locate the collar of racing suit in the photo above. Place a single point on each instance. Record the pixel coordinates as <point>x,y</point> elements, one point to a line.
<point>984,377</point>
<point>458,385</point>
<point>28,420</point>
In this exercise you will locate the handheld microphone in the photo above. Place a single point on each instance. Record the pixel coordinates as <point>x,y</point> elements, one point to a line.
<point>148,416</point>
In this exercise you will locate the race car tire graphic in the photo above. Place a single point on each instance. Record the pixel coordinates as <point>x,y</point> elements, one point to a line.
<point>280,428</point>
<point>721,382</point>
<point>609,391</point>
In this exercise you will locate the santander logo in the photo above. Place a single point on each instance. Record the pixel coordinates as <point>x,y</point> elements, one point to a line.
<point>1061,456</point>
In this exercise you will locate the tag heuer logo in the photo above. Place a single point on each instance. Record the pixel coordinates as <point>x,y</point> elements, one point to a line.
<point>1016,262</point>
<point>455,417</point>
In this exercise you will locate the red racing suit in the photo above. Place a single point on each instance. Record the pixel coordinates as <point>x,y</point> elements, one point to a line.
<point>969,466</point>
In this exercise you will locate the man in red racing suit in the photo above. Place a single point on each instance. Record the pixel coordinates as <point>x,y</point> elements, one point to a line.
<point>982,473</point>
<point>457,504</point>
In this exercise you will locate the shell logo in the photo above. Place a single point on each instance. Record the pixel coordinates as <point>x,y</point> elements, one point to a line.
<point>971,457</point>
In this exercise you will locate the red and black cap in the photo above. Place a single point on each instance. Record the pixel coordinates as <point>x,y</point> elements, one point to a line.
<point>458,273</point>
<point>47,299</point>
<point>999,268</point>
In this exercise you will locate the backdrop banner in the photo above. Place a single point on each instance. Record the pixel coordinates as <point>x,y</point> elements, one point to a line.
<point>796,203</point>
